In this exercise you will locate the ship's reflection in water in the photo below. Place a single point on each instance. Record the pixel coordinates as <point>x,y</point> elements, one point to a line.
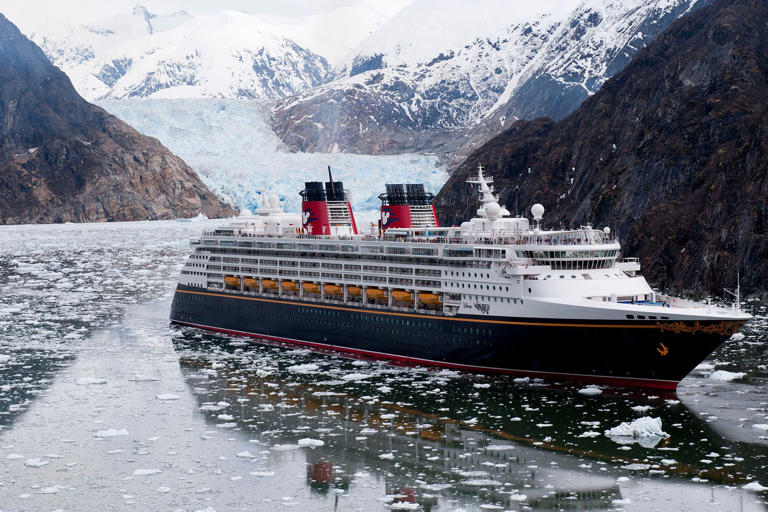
<point>442,441</point>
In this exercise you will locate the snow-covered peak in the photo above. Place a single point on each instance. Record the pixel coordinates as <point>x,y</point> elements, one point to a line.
<point>221,54</point>
<point>426,29</point>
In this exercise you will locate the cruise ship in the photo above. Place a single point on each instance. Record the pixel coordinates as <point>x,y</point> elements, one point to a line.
<point>499,293</point>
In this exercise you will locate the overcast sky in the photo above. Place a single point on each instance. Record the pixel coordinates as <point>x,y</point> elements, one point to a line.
<point>32,14</point>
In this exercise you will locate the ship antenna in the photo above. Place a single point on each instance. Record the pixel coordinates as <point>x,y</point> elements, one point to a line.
<point>736,294</point>
<point>330,176</point>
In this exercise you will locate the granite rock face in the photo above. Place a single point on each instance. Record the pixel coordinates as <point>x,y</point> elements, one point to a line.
<point>672,152</point>
<point>63,159</point>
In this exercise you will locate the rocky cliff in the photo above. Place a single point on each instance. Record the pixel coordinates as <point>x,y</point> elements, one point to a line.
<point>63,159</point>
<point>672,152</point>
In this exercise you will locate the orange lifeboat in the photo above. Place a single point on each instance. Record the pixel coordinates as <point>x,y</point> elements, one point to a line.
<point>376,293</point>
<point>311,288</point>
<point>402,296</point>
<point>232,281</point>
<point>250,282</point>
<point>332,289</point>
<point>429,298</point>
<point>289,286</point>
<point>355,291</point>
<point>269,284</point>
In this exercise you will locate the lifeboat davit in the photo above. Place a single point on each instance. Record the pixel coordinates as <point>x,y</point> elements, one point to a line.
<point>269,284</point>
<point>332,289</point>
<point>311,288</point>
<point>289,286</point>
<point>250,282</point>
<point>355,291</point>
<point>376,293</point>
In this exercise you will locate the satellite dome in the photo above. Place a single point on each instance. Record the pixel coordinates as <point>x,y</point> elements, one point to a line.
<point>538,211</point>
<point>492,209</point>
<point>607,230</point>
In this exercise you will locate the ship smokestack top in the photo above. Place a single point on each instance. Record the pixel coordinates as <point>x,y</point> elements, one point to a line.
<point>407,206</point>
<point>325,208</point>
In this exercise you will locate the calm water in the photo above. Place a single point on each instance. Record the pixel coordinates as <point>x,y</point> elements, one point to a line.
<point>104,406</point>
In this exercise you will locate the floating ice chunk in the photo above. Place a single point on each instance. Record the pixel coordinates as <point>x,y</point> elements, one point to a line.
<point>705,367</point>
<point>590,433</point>
<point>404,505</point>
<point>518,497</point>
<point>755,486</point>
<point>481,482</point>
<point>4,358</point>
<point>285,447</point>
<point>641,408</point>
<point>480,385</point>
<point>36,463</point>
<point>226,425</point>
<point>366,431</point>
<point>13,456</point>
<point>146,472</point>
<point>262,473</point>
<point>356,376</point>
<point>101,434</point>
<point>726,376</point>
<point>641,427</point>
<point>760,426</point>
<point>246,455</point>
<point>88,381</point>
<point>590,390</point>
<point>384,389</point>
<point>163,490</point>
<point>636,466</point>
<point>737,336</point>
<point>500,447</point>
<point>522,380</point>
<point>225,417</point>
<point>166,397</point>
<point>307,441</point>
<point>387,456</point>
<point>669,462</point>
<point>387,416</point>
<point>617,503</point>
<point>303,368</point>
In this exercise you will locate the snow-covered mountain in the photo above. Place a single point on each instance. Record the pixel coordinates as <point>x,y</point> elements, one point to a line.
<point>231,145</point>
<point>227,54</point>
<point>441,71</point>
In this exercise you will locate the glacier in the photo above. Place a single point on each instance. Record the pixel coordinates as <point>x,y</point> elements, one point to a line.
<point>231,145</point>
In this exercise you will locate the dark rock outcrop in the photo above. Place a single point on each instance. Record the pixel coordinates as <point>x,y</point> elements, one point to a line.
<point>63,159</point>
<point>672,152</point>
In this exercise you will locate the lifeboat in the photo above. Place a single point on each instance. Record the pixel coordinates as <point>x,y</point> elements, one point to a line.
<point>250,282</point>
<point>332,289</point>
<point>376,293</point>
<point>269,284</point>
<point>355,291</point>
<point>232,281</point>
<point>311,288</point>
<point>402,296</point>
<point>429,298</point>
<point>289,286</point>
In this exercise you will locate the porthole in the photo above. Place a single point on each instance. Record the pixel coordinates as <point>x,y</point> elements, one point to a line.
<point>641,317</point>
<point>631,317</point>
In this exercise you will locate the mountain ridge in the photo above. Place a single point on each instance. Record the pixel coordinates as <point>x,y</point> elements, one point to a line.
<point>63,159</point>
<point>672,153</point>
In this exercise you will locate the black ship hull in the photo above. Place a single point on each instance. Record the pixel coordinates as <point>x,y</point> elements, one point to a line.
<point>649,354</point>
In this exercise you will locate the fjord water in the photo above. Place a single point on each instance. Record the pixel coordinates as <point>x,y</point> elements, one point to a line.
<point>105,406</point>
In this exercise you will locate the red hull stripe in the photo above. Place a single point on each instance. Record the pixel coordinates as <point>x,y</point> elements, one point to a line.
<point>412,315</point>
<point>597,379</point>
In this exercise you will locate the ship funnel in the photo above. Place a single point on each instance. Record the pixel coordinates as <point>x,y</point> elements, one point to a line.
<point>325,208</point>
<point>407,206</point>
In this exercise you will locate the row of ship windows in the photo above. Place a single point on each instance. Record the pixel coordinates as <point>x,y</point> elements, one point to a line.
<point>475,286</point>
<point>650,317</point>
<point>599,253</point>
<point>485,298</point>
